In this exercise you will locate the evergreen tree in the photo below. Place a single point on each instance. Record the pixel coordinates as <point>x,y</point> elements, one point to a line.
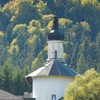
<point>74,57</point>
<point>17,81</point>
<point>24,27</point>
<point>6,74</point>
<point>98,51</point>
<point>81,64</point>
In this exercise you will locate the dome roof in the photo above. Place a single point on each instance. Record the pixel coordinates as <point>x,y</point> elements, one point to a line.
<point>55,34</point>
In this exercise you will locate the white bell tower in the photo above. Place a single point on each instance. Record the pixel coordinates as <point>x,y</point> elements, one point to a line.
<point>54,73</point>
<point>55,42</point>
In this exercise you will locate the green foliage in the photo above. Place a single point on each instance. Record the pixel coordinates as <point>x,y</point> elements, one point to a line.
<point>20,11</point>
<point>25,24</point>
<point>3,48</point>
<point>86,87</point>
<point>6,74</point>
<point>39,61</point>
<point>41,7</point>
<point>32,44</point>
<point>98,51</point>
<point>46,19</point>
<point>20,31</point>
<point>3,21</point>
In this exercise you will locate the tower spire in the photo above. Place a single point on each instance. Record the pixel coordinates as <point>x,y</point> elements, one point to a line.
<point>55,42</point>
<point>55,23</point>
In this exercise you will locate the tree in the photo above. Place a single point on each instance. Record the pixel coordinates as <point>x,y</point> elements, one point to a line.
<point>0,78</point>
<point>39,61</point>
<point>46,19</point>
<point>42,7</point>
<point>3,49</point>
<point>74,56</point>
<point>84,10</point>
<point>86,87</point>
<point>2,2</point>
<point>25,86</point>
<point>98,51</point>
<point>34,49</point>
<point>21,11</point>
<point>20,32</point>
<point>17,81</point>
<point>4,20</point>
<point>35,23</point>
<point>85,59</point>
<point>81,64</point>
<point>6,74</point>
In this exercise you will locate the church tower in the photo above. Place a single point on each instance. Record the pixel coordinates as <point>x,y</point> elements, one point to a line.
<point>55,42</point>
<point>49,82</point>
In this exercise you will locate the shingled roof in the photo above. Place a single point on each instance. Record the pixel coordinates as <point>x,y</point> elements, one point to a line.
<point>53,68</point>
<point>8,96</point>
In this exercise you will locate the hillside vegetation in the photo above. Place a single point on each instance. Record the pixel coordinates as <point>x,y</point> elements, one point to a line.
<point>24,26</point>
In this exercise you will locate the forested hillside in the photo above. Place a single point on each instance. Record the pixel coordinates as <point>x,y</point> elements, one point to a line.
<point>24,26</point>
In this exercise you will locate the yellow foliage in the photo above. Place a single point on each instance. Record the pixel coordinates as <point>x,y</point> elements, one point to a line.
<point>31,30</point>
<point>32,39</point>
<point>35,23</point>
<point>86,87</point>
<point>63,23</point>
<point>50,16</point>
<point>50,24</point>
<point>46,48</point>
<point>65,55</point>
<point>20,29</point>
<point>13,18</point>
<point>90,74</point>
<point>13,47</point>
<point>14,41</point>
<point>43,30</point>
<point>41,6</point>
<point>62,20</point>
<point>86,26</point>
<point>34,63</point>
<point>14,6</point>
<point>85,2</point>
<point>1,34</point>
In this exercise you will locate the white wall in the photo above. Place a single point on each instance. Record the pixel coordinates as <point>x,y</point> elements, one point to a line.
<point>55,45</point>
<point>44,87</point>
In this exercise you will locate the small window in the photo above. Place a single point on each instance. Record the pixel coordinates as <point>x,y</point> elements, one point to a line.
<point>53,97</point>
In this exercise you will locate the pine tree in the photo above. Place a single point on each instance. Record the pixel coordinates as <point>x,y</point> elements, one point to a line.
<point>98,51</point>
<point>6,74</point>
<point>17,81</point>
<point>81,64</point>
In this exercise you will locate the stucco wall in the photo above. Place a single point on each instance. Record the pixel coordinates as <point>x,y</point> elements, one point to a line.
<point>44,87</point>
<point>55,45</point>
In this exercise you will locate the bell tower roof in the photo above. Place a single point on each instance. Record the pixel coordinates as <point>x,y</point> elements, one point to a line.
<point>55,34</point>
<point>53,68</point>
